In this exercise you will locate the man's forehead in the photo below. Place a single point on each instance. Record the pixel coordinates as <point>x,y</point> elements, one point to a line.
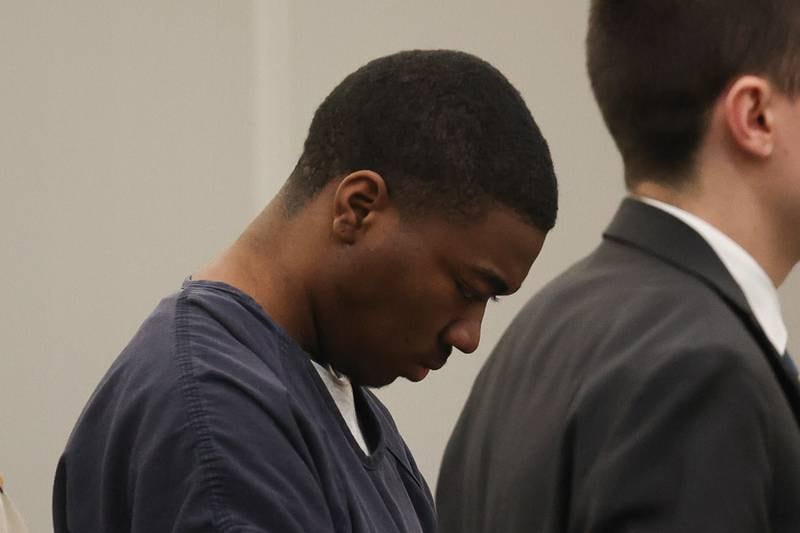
<point>500,247</point>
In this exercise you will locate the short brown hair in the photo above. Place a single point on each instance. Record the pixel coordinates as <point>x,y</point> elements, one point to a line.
<point>657,66</point>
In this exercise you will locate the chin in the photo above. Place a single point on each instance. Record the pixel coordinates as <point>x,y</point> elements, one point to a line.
<point>371,381</point>
<point>378,383</point>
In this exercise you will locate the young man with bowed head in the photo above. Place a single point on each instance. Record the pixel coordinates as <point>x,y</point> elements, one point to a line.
<point>648,388</point>
<point>424,189</point>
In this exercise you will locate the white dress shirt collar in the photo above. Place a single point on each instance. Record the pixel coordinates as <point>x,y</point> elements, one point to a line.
<point>761,294</point>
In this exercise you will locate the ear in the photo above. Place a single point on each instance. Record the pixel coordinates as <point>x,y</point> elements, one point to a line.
<point>359,198</point>
<point>750,115</point>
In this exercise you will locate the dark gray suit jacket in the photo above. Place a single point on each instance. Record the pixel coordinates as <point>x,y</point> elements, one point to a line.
<point>635,393</point>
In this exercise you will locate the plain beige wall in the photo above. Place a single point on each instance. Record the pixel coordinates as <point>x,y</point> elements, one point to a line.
<point>137,139</point>
<point>126,159</point>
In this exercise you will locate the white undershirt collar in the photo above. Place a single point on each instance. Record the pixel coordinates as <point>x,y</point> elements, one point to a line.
<point>341,391</point>
<point>761,294</point>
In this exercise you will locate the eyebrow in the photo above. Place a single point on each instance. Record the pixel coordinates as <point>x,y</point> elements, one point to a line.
<point>498,284</point>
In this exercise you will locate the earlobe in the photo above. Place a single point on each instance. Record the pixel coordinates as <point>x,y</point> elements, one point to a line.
<point>360,196</point>
<point>344,230</point>
<point>749,115</point>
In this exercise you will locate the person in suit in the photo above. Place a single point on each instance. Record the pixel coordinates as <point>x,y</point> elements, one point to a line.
<point>647,388</point>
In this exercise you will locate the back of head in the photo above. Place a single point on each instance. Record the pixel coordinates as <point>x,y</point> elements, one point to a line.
<point>446,131</point>
<point>657,66</point>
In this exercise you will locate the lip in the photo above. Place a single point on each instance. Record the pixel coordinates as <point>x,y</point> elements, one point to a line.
<point>438,361</point>
<point>435,362</point>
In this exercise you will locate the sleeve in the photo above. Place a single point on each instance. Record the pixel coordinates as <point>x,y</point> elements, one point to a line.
<point>234,457</point>
<point>681,446</point>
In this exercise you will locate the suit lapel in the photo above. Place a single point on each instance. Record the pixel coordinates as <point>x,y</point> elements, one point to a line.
<point>658,233</point>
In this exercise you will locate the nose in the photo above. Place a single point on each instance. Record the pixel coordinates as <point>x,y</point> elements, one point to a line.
<point>464,334</point>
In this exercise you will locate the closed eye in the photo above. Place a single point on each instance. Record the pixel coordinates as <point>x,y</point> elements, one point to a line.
<point>471,295</point>
<point>468,293</point>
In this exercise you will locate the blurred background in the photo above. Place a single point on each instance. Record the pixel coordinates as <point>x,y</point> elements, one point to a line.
<point>137,139</point>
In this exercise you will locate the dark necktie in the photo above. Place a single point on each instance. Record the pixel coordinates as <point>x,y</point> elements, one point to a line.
<point>789,365</point>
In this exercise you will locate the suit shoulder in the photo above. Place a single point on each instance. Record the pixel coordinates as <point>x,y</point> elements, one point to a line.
<point>621,291</point>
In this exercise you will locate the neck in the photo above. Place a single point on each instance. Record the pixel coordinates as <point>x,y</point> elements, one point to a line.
<point>736,212</point>
<point>264,264</point>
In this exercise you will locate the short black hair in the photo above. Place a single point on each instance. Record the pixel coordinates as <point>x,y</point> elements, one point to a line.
<point>657,66</point>
<point>445,129</point>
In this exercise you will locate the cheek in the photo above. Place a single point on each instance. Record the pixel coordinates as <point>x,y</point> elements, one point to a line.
<point>409,317</point>
<point>401,297</point>
<point>429,307</point>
